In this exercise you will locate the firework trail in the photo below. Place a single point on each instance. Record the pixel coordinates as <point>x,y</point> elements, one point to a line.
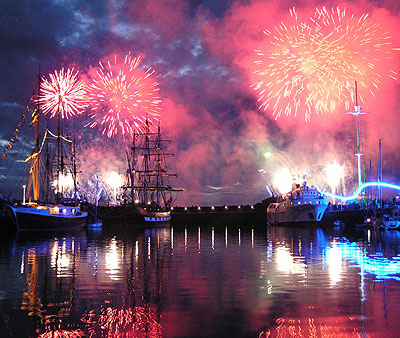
<point>62,94</point>
<point>309,67</point>
<point>122,97</point>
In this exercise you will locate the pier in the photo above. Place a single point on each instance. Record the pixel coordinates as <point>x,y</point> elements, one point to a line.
<point>220,214</point>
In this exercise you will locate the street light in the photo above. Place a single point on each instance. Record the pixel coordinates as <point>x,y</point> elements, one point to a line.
<point>23,193</point>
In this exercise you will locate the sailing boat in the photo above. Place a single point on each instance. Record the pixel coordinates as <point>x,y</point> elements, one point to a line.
<point>35,215</point>
<point>150,194</point>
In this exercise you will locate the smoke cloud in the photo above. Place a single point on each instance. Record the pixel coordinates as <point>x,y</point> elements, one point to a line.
<point>203,54</point>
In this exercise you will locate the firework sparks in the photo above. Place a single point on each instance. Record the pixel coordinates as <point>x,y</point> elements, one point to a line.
<point>309,67</point>
<point>122,97</point>
<point>66,182</point>
<point>63,94</point>
<point>334,174</point>
<point>282,180</point>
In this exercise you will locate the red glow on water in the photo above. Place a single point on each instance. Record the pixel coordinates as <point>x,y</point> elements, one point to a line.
<point>309,327</point>
<point>139,321</point>
<point>63,94</point>
<point>122,96</point>
<point>309,66</point>
<point>62,334</point>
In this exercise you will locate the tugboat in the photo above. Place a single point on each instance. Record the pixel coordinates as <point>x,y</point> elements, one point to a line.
<point>301,205</point>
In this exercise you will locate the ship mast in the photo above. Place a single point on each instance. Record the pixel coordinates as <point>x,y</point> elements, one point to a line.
<point>131,168</point>
<point>74,168</point>
<point>35,173</point>
<point>357,111</point>
<point>146,162</point>
<point>34,169</point>
<point>58,152</point>
<point>48,170</point>
<point>158,169</point>
<point>146,170</point>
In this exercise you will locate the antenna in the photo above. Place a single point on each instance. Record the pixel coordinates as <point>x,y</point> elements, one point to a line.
<point>355,85</point>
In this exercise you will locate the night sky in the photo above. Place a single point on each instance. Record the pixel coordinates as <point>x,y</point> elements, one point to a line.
<point>203,53</point>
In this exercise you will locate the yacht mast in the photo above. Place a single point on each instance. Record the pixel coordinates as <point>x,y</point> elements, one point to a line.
<point>35,171</point>
<point>146,162</point>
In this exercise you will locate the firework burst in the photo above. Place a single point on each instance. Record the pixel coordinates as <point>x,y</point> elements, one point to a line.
<point>122,97</point>
<point>309,67</point>
<point>63,94</point>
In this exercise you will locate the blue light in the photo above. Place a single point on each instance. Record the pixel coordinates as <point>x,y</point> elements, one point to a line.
<point>269,190</point>
<point>376,264</point>
<point>362,187</point>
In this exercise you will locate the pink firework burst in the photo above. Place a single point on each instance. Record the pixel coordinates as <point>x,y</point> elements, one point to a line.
<point>122,97</point>
<point>63,94</point>
<point>310,66</point>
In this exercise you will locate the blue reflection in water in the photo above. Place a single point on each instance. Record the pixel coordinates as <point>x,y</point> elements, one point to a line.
<point>369,263</point>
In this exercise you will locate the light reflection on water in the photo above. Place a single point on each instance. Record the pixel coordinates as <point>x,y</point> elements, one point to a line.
<point>201,281</point>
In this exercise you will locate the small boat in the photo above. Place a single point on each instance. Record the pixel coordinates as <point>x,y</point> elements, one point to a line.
<point>301,205</point>
<point>370,222</point>
<point>95,225</point>
<point>391,222</point>
<point>339,223</point>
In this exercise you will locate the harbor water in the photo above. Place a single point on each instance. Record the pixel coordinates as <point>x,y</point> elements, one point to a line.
<point>247,280</point>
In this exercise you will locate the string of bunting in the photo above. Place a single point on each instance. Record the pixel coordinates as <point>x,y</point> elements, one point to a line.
<point>21,122</point>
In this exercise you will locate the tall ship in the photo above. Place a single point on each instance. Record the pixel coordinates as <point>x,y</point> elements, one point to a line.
<point>303,204</point>
<point>47,206</point>
<point>148,194</point>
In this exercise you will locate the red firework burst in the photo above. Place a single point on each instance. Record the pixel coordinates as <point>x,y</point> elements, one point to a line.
<point>63,94</point>
<point>309,67</point>
<point>122,97</point>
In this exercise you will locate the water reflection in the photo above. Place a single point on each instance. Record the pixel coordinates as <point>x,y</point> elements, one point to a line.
<point>287,263</point>
<point>334,260</point>
<point>242,281</point>
<point>113,259</point>
<point>311,327</point>
<point>53,333</point>
<point>134,322</point>
<point>369,263</point>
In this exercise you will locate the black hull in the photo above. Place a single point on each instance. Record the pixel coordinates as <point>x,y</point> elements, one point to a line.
<point>8,222</point>
<point>28,222</point>
<point>349,217</point>
<point>133,216</point>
